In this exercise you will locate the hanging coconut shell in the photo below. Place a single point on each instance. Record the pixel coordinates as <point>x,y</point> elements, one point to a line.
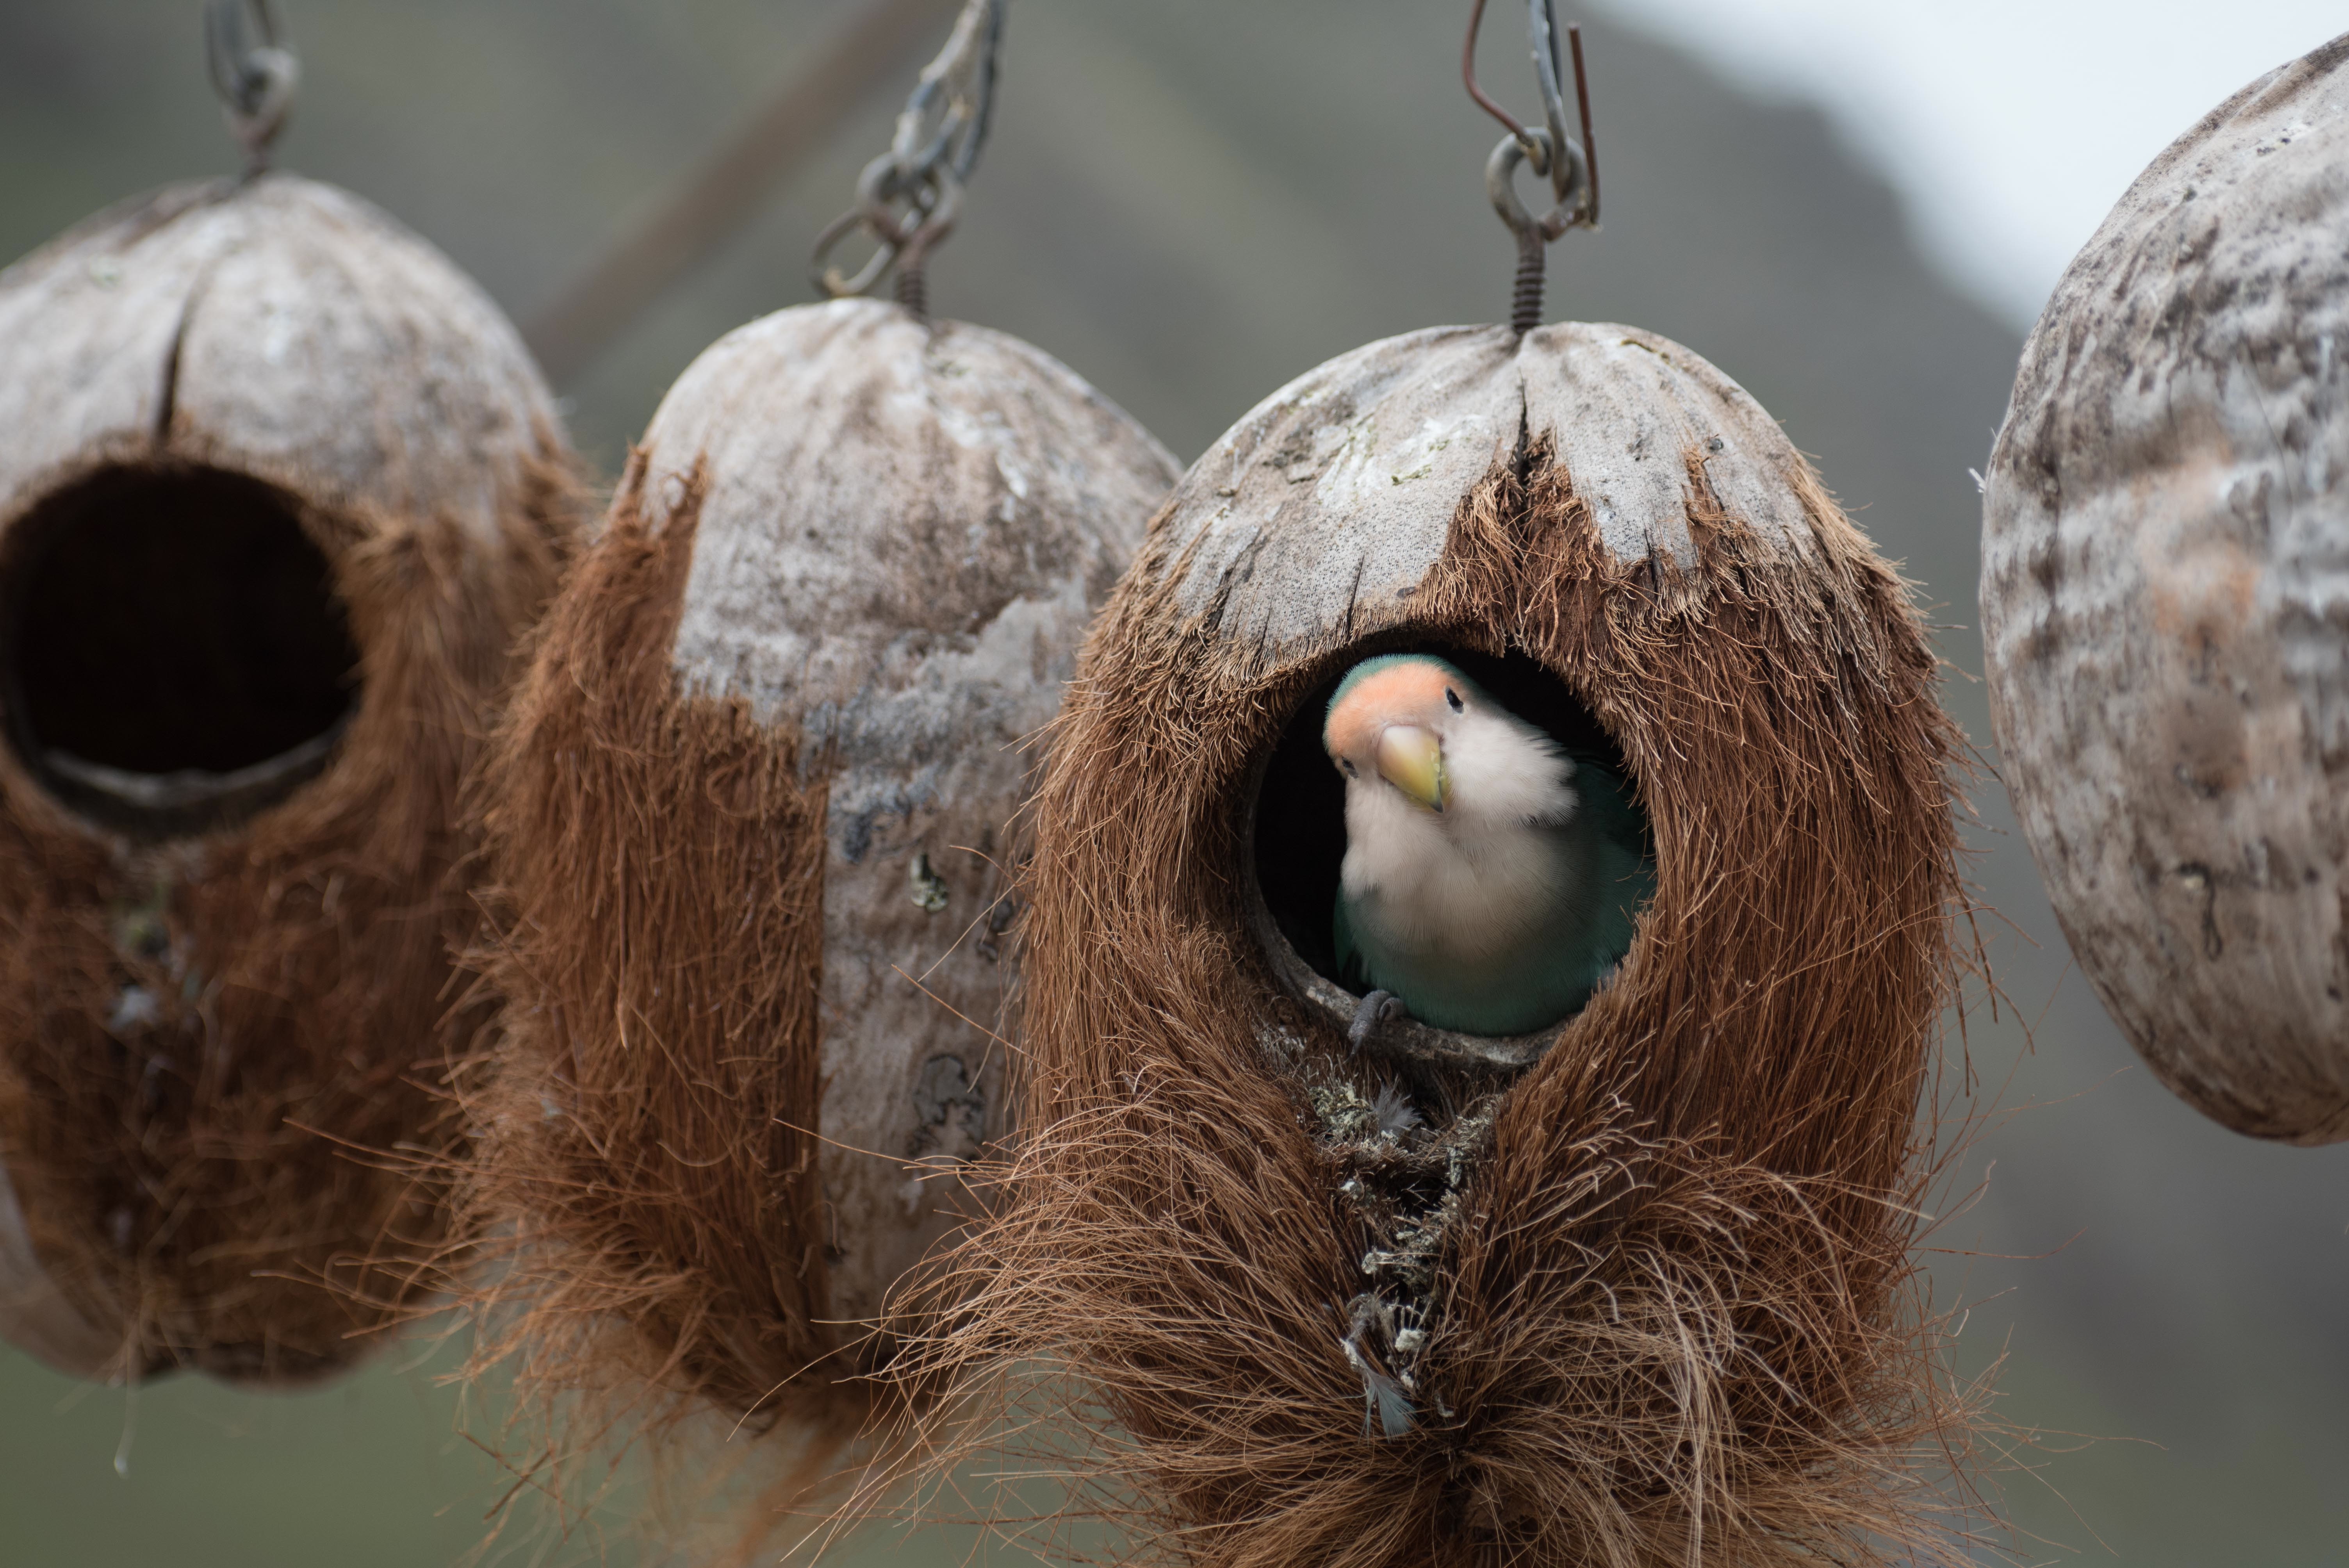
<point>2165,525</point>
<point>1631,1289</point>
<point>280,487</point>
<point>751,810</point>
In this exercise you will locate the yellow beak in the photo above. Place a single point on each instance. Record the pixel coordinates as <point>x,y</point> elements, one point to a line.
<point>1412,759</point>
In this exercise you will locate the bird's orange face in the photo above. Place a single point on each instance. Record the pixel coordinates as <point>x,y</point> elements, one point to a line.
<point>1391,725</point>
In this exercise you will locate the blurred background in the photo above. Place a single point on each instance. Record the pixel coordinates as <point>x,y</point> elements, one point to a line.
<point>1854,210</point>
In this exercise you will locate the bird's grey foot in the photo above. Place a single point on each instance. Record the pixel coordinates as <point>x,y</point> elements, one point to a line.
<point>1377,1008</point>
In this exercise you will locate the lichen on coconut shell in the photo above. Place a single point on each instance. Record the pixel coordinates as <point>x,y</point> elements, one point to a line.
<point>279,490</point>
<point>751,815</point>
<point>1649,1299</point>
<point>2165,524</point>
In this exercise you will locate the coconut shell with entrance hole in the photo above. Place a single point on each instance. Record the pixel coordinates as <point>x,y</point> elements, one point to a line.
<point>1636,1289</point>
<point>280,487</point>
<point>2165,530</point>
<point>752,812</point>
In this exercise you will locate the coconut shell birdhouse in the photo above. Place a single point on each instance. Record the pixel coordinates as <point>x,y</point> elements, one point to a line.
<point>280,487</point>
<point>1624,1278</point>
<point>753,813</point>
<point>2165,525</point>
<point>1624,1288</point>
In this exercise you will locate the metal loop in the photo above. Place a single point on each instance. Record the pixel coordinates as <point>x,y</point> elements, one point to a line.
<point>931,205</point>
<point>908,197</point>
<point>1574,178</point>
<point>253,71</point>
<point>829,279</point>
<point>1501,185</point>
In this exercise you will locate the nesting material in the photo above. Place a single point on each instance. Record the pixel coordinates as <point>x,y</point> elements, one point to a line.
<point>751,814</point>
<point>1635,1290</point>
<point>2165,527</point>
<point>279,489</point>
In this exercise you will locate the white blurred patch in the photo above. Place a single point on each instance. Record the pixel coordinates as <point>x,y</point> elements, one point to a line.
<point>2009,127</point>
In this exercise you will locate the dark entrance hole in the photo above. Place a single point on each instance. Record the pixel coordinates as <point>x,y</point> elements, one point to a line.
<point>177,658</point>
<point>1300,807</point>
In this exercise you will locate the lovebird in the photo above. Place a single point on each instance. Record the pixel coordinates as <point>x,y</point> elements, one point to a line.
<point>1490,877</point>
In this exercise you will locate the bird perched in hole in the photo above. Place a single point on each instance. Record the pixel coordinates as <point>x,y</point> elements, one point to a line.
<point>1490,877</point>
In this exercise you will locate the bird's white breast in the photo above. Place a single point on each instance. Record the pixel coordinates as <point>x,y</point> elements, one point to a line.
<point>1469,886</point>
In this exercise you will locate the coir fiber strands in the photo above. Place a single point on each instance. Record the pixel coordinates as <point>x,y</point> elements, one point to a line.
<point>1649,1301</point>
<point>280,490</point>
<point>749,815</point>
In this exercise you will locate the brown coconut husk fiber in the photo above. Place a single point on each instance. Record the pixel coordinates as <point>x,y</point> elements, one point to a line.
<point>211,1178</point>
<point>281,489</point>
<point>645,1242</point>
<point>1663,1278</point>
<point>671,1256</point>
<point>747,821</point>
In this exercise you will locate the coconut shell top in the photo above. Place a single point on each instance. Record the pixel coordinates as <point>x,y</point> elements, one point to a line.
<point>753,810</point>
<point>1629,1291</point>
<point>280,487</point>
<point>1317,516</point>
<point>2165,527</point>
<point>281,328</point>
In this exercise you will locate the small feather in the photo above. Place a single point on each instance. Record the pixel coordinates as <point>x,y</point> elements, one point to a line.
<point>1395,1409</point>
<point>1393,1110</point>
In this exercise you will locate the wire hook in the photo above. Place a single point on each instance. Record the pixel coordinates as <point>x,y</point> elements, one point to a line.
<point>908,199</point>
<point>1570,165</point>
<point>255,80</point>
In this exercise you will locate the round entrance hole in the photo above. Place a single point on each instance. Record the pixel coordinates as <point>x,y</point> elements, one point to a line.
<point>176,656</point>
<point>1298,844</point>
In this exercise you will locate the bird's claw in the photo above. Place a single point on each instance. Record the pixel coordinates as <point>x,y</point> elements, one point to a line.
<point>1376,1008</point>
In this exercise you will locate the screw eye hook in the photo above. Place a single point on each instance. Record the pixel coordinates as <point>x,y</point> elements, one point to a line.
<point>908,197</point>
<point>254,71</point>
<point>1569,165</point>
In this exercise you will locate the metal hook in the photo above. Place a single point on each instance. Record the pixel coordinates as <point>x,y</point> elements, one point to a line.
<point>1589,146</point>
<point>958,87</point>
<point>1541,22</point>
<point>255,80</point>
<point>908,197</point>
<point>1572,168</point>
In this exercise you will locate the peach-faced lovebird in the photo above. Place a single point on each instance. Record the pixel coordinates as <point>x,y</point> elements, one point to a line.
<point>1490,878</point>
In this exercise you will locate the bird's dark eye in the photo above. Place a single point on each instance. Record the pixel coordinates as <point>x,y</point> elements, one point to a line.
<point>1349,767</point>
<point>1453,697</point>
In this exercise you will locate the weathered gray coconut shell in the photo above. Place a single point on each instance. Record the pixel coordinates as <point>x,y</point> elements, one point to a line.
<point>905,534</point>
<point>2165,530</point>
<point>280,331</point>
<point>753,811</point>
<point>1337,493</point>
<point>226,323</point>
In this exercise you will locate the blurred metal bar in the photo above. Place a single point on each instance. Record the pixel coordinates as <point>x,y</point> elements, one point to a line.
<point>721,195</point>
